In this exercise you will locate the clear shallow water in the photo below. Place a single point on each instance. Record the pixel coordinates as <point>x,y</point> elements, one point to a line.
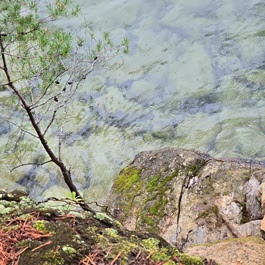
<point>194,78</point>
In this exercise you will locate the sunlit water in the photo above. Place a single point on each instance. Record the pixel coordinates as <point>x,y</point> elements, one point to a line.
<point>194,78</point>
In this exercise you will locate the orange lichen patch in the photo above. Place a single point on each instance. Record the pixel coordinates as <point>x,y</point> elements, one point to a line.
<point>16,231</point>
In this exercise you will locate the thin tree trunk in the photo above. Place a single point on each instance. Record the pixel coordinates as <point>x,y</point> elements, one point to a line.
<point>65,172</point>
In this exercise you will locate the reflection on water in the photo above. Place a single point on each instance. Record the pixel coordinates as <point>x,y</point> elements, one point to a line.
<point>194,78</point>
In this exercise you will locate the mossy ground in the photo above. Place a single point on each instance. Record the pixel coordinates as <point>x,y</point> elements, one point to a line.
<point>73,238</point>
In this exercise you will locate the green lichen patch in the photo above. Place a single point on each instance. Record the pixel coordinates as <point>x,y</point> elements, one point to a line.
<point>161,255</point>
<point>153,207</point>
<point>69,250</point>
<point>103,216</point>
<point>189,260</point>
<point>126,179</point>
<point>111,233</point>
<point>131,185</point>
<point>40,226</point>
<point>153,183</point>
<point>151,243</point>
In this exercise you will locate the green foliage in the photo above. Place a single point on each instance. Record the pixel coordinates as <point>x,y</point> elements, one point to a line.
<point>68,204</point>
<point>125,44</point>
<point>59,8</point>
<point>76,10</point>
<point>36,52</point>
<point>40,53</point>
<point>46,63</point>
<point>72,196</point>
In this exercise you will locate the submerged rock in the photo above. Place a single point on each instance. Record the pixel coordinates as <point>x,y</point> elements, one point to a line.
<point>188,197</point>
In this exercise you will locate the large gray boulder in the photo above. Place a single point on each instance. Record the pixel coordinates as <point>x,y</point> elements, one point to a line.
<point>190,198</point>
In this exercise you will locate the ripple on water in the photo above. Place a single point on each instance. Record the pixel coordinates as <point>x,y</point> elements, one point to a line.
<point>194,79</point>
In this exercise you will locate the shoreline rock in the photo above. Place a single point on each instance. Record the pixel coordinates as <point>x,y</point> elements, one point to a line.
<point>189,198</point>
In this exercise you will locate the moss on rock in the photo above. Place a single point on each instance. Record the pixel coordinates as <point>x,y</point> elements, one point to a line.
<point>72,238</point>
<point>126,179</point>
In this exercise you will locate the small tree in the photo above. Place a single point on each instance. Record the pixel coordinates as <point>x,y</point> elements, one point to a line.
<point>41,69</point>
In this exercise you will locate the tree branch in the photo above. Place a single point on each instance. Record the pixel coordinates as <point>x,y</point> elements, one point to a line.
<point>35,105</point>
<point>18,126</point>
<point>30,164</point>
<point>50,123</point>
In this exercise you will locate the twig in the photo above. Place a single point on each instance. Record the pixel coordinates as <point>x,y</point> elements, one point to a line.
<point>21,251</point>
<point>18,126</point>
<point>116,258</point>
<point>150,254</point>
<point>45,244</point>
<point>56,250</point>
<point>50,123</point>
<point>28,164</point>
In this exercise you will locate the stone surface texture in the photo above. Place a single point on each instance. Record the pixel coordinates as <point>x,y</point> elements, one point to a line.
<point>189,198</point>
<point>239,251</point>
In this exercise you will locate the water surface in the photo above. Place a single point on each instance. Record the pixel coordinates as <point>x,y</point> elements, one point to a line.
<point>194,78</point>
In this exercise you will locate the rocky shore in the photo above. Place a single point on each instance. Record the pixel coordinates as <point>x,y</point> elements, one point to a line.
<point>203,206</point>
<point>170,206</point>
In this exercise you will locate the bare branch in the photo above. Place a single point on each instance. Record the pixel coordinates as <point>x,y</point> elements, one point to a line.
<point>61,132</point>
<point>18,126</point>
<point>36,105</point>
<point>16,56</point>
<point>43,115</point>
<point>13,81</point>
<point>50,123</point>
<point>33,106</point>
<point>30,164</point>
<point>14,153</point>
